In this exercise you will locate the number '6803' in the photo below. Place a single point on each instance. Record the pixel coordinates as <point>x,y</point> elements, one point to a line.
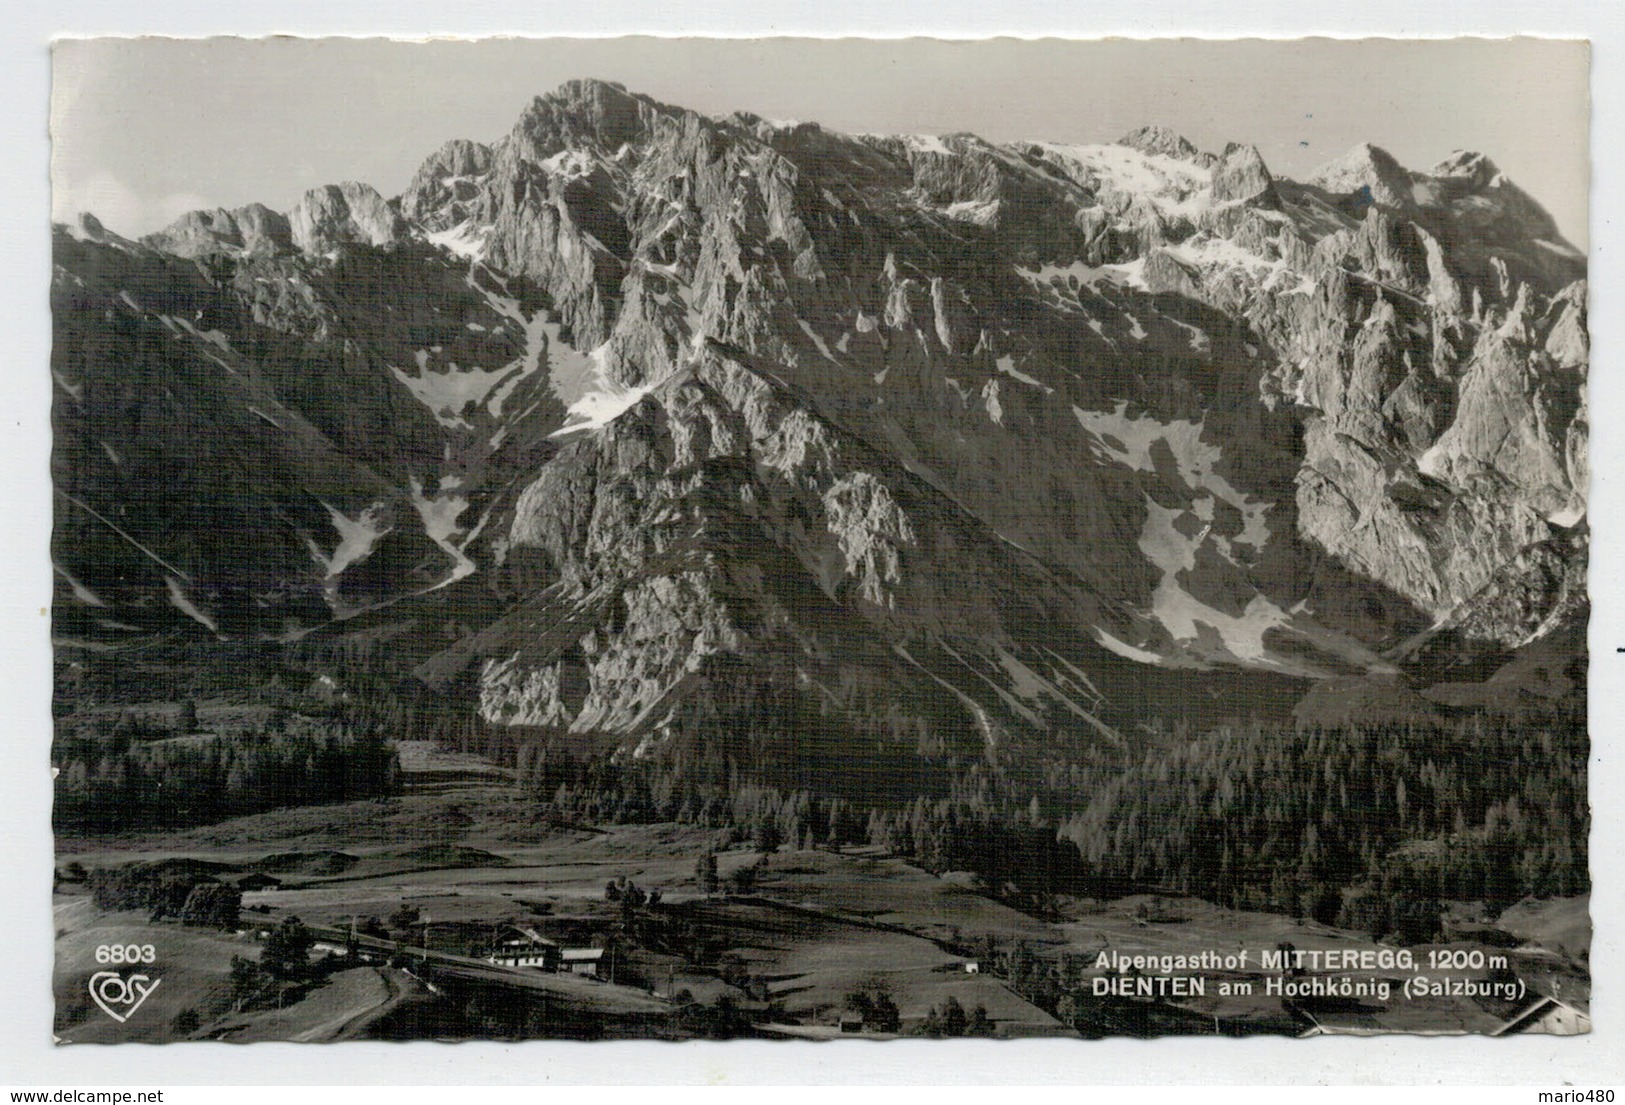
<point>125,953</point>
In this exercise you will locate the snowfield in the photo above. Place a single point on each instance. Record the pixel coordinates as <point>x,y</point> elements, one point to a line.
<point>1130,441</point>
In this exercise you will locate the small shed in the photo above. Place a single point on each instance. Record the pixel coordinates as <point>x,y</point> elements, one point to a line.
<point>582,961</point>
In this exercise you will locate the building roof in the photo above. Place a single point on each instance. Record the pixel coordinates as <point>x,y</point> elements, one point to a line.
<point>1539,1007</point>
<point>582,955</point>
<point>257,879</point>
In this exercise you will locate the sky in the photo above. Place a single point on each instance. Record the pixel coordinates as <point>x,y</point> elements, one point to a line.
<point>144,129</point>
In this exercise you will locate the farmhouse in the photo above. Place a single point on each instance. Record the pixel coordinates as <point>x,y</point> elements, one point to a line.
<point>519,946</point>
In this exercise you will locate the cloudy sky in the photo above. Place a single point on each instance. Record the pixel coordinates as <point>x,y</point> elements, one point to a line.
<point>145,129</point>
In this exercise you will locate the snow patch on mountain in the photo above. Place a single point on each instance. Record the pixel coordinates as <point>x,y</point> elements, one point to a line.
<point>80,591</point>
<point>1568,516</point>
<point>357,538</point>
<point>1032,687</point>
<point>1016,705</point>
<point>577,379</point>
<point>570,164</point>
<point>928,143</point>
<point>1207,251</point>
<point>1562,249</point>
<point>466,240</point>
<point>439,515</point>
<point>257,413</point>
<point>1081,274</point>
<point>980,212</point>
<point>1182,613</point>
<point>1125,650</point>
<point>1173,185</point>
<point>180,600</point>
<point>1131,441</point>
<point>1007,365</point>
<point>1199,342</point>
<point>178,325</point>
<point>823,347</point>
<point>1173,536</point>
<point>990,401</point>
<point>598,408</point>
<point>449,393</point>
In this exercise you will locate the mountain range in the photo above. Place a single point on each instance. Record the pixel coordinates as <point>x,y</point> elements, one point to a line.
<point>639,423</point>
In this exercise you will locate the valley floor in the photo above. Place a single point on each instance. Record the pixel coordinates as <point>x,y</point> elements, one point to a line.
<point>468,857</point>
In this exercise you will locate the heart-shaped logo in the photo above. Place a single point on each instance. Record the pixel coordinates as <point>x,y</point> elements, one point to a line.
<point>120,997</point>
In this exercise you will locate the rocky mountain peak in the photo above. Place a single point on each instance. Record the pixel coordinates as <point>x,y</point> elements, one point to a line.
<point>1367,166</point>
<point>446,184</point>
<point>675,377</point>
<point>88,228</point>
<point>584,112</point>
<point>457,158</point>
<point>1160,140</point>
<point>1242,177</point>
<point>1487,200</point>
<point>340,214</point>
<point>1470,166</point>
<point>254,229</point>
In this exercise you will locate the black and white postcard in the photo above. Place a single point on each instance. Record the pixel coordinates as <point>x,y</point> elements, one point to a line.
<point>666,539</point>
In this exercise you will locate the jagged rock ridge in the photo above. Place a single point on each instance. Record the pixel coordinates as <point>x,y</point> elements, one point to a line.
<point>693,390</point>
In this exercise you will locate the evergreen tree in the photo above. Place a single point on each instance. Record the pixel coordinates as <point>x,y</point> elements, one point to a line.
<point>885,1017</point>
<point>212,905</point>
<point>286,953</point>
<point>705,872</point>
